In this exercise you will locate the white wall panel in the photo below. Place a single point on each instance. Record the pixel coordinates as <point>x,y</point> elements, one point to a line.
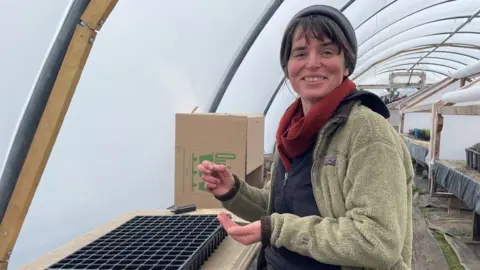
<point>395,118</point>
<point>458,133</point>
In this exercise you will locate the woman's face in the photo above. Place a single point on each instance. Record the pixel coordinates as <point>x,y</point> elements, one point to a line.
<point>315,67</point>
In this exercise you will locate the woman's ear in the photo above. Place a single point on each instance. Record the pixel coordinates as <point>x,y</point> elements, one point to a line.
<point>346,72</point>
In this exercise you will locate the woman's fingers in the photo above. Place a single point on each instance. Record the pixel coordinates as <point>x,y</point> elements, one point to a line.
<point>226,222</point>
<point>219,168</point>
<point>210,167</point>
<point>210,186</point>
<point>210,179</point>
<point>203,169</point>
<point>240,230</point>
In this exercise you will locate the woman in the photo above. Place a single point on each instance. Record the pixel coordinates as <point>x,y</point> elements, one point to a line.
<point>340,192</point>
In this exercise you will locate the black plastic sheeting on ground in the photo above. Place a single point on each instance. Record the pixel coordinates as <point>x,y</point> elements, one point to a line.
<point>417,152</point>
<point>462,186</point>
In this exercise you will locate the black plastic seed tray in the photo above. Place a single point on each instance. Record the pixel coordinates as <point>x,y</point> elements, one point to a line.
<point>151,242</point>
<point>473,158</point>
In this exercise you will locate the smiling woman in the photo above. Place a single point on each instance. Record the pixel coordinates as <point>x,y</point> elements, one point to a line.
<point>309,38</point>
<point>340,192</point>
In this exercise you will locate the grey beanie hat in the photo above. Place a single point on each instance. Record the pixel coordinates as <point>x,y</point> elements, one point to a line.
<point>337,16</point>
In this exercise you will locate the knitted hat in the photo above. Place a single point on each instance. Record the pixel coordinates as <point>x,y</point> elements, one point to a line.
<point>334,14</point>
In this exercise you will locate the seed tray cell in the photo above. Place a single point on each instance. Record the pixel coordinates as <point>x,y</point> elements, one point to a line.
<point>151,242</point>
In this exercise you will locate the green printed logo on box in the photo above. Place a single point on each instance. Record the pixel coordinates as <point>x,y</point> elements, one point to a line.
<point>224,158</point>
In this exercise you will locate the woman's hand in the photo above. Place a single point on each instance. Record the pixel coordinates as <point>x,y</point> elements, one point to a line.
<point>246,235</point>
<point>218,179</point>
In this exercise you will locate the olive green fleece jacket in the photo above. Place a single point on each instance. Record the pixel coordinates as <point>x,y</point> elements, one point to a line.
<point>365,198</point>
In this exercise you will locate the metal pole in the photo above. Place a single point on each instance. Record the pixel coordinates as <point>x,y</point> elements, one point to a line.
<point>447,38</point>
<point>36,104</point>
<point>267,108</point>
<point>242,53</point>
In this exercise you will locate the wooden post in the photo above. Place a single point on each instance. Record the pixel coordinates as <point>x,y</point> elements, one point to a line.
<point>434,147</point>
<point>50,123</point>
<point>402,122</point>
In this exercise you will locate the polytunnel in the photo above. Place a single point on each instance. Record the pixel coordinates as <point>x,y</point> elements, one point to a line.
<point>90,90</point>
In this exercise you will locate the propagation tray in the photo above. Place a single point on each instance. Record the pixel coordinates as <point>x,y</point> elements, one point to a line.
<point>151,242</point>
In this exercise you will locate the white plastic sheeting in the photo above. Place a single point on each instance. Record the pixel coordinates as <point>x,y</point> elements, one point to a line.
<point>153,59</point>
<point>115,151</point>
<point>20,61</point>
<point>458,133</point>
<point>284,98</point>
<point>408,25</point>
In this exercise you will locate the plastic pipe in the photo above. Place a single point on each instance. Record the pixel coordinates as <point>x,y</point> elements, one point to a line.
<point>466,95</point>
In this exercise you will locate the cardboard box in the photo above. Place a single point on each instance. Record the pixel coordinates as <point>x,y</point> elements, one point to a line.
<point>232,139</point>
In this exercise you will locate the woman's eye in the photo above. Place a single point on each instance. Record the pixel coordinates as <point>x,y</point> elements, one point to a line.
<point>328,53</point>
<point>300,54</point>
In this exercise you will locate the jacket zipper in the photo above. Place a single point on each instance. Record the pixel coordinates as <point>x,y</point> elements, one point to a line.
<point>320,150</point>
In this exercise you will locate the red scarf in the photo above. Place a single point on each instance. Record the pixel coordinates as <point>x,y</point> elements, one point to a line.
<point>297,133</point>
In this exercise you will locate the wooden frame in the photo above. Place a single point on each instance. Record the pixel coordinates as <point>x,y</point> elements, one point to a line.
<point>45,136</point>
<point>460,110</point>
<point>430,93</point>
<point>439,109</point>
<point>420,108</point>
<point>434,148</point>
<point>445,108</point>
<point>403,103</point>
<point>398,105</point>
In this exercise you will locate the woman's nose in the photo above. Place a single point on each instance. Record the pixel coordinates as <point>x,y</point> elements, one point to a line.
<point>314,60</point>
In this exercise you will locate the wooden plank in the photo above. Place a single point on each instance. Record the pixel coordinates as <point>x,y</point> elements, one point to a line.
<point>402,123</point>
<point>405,102</point>
<point>426,252</point>
<point>229,255</point>
<point>97,13</point>
<point>431,93</point>
<point>466,256</point>
<point>421,108</point>
<point>45,137</point>
<point>460,110</point>
<point>49,127</point>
